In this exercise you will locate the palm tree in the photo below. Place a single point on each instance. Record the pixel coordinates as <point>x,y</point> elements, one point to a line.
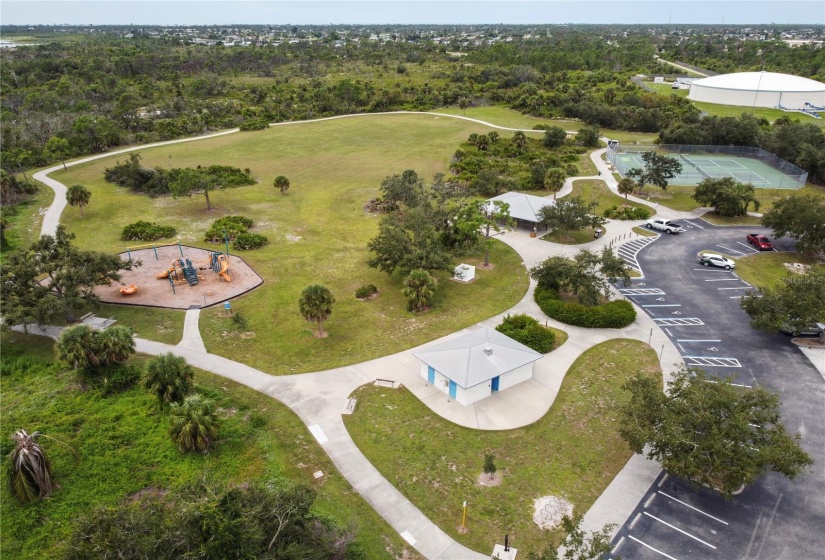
<point>419,289</point>
<point>78,346</point>
<point>493,136</point>
<point>115,345</point>
<point>78,195</point>
<point>519,140</point>
<point>169,377</point>
<point>193,424</point>
<point>316,305</point>
<point>554,180</point>
<point>626,186</point>
<point>281,183</point>
<point>29,470</point>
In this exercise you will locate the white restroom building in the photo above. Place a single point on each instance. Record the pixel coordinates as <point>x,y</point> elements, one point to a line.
<point>475,365</point>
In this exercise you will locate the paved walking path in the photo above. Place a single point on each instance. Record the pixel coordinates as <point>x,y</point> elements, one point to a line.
<point>319,397</point>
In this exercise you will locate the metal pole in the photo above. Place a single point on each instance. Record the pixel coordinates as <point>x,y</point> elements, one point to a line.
<point>129,253</point>
<point>464,516</point>
<point>180,248</point>
<point>156,252</point>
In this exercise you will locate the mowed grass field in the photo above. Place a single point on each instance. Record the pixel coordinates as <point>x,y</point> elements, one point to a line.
<point>574,451</point>
<point>318,233</point>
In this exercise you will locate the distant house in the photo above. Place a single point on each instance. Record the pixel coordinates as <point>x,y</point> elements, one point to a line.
<point>474,366</point>
<point>524,208</point>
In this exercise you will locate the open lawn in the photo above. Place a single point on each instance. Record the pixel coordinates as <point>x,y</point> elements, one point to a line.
<point>595,190</point>
<point>767,269</point>
<point>317,233</point>
<point>504,116</point>
<point>24,222</point>
<point>718,220</point>
<point>574,451</point>
<point>576,237</point>
<point>681,198</point>
<point>124,448</point>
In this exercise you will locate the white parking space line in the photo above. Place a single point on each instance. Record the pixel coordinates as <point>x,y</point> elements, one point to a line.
<point>663,305</point>
<point>735,297</point>
<point>713,269</point>
<point>731,250</point>
<point>723,280</point>
<point>675,528</point>
<point>746,246</point>
<point>691,507</point>
<point>651,548</point>
<point>698,340</point>
<point>694,225</point>
<point>682,348</point>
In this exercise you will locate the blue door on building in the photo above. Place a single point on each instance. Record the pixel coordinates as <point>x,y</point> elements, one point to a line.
<point>452,389</point>
<point>431,375</point>
<point>495,385</point>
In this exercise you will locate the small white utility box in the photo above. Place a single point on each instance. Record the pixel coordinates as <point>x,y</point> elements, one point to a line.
<point>500,554</point>
<point>464,273</point>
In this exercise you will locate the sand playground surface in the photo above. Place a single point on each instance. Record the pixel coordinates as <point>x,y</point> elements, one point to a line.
<point>151,291</point>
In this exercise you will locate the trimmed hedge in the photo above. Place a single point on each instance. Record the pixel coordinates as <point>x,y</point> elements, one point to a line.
<point>610,315</point>
<point>528,331</point>
<point>627,213</point>
<point>247,241</point>
<point>146,231</point>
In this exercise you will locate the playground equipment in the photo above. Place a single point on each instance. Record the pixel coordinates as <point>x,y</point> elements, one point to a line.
<point>219,263</point>
<point>128,290</point>
<point>181,269</point>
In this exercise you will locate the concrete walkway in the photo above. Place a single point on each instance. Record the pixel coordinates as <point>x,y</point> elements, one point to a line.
<point>319,397</point>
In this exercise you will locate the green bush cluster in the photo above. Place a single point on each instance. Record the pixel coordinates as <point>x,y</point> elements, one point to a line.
<point>234,225</point>
<point>146,231</point>
<point>528,331</point>
<point>610,315</point>
<point>627,213</point>
<point>258,123</point>
<point>247,241</point>
<point>366,291</point>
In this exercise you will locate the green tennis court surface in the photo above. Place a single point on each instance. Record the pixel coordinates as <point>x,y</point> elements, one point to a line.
<point>695,169</point>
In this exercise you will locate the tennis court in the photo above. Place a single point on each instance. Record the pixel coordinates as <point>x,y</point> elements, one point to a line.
<point>696,168</point>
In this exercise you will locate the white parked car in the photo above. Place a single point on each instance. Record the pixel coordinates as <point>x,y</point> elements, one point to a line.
<point>664,225</point>
<point>708,259</point>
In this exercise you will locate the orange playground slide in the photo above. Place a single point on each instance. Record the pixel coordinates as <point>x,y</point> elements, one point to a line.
<point>224,267</point>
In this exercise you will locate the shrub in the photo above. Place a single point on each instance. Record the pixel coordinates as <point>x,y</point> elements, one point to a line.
<point>627,213</point>
<point>258,123</point>
<point>610,315</point>
<point>239,320</point>
<point>570,169</point>
<point>146,231</point>
<point>365,291</point>
<point>234,225</point>
<point>247,241</point>
<point>381,206</point>
<point>528,331</point>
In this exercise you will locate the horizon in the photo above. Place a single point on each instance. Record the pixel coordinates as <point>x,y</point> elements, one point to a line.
<point>179,13</point>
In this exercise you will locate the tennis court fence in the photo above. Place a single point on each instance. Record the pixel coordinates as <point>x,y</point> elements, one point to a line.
<point>780,174</point>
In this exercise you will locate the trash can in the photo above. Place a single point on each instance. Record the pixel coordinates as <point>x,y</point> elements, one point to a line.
<point>597,233</point>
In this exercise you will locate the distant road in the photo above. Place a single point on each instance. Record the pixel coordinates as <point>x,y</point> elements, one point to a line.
<point>680,67</point>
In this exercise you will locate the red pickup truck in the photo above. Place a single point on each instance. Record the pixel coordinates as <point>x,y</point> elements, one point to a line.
<point>760,242</point>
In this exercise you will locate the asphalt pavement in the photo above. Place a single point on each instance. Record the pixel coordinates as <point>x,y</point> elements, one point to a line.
<point>699,309</point>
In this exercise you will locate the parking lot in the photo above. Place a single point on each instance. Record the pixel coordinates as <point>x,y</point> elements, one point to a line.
<point>698,308</point>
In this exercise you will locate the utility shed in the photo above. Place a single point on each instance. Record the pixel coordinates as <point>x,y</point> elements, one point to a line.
<point>476,365</point>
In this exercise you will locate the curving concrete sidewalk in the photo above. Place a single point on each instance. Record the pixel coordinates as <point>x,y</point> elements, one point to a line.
<point>319,397</point>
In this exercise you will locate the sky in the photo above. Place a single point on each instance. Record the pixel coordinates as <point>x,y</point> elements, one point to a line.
<point>225,12</point>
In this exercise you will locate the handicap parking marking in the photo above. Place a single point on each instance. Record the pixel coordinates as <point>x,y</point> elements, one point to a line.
<point>642,291</point>
<point>711,361</point>
<point>676,322</point>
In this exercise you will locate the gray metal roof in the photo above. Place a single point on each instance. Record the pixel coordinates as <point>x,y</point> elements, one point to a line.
<point>477,356</point>
<point>523,206</point>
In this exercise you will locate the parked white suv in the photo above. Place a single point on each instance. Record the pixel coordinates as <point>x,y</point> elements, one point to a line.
<point>664,225</point>
<point>708,259</point>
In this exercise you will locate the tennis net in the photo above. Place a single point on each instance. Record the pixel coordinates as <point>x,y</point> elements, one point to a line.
<point>696,167</point>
